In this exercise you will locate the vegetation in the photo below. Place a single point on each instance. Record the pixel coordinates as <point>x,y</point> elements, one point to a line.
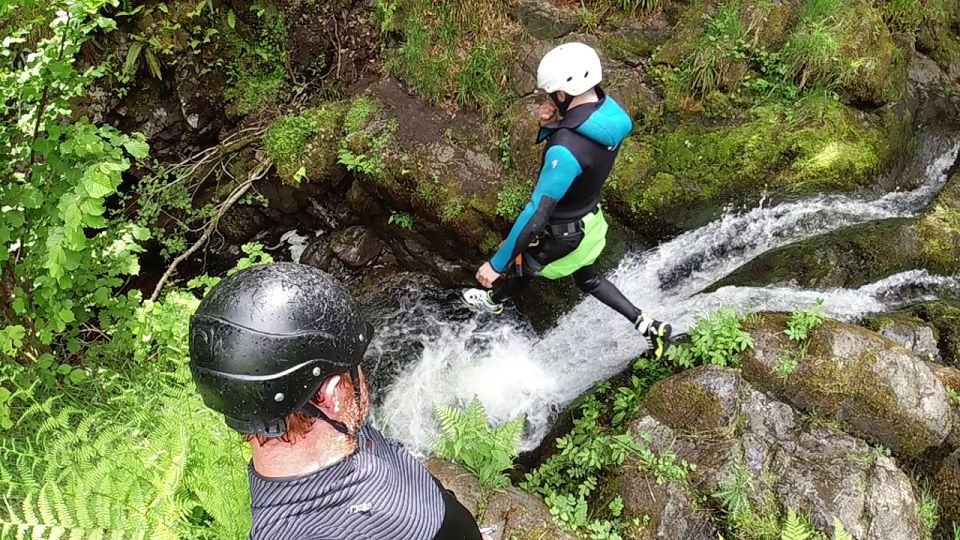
<point>596,447</point>
<point>717,339</point>
<point>800,329</point>
<point>468,439</point>
<point>450,51</point>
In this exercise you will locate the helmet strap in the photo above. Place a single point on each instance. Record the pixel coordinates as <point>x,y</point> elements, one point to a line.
<point>315,411</point>
<point>562,106</point>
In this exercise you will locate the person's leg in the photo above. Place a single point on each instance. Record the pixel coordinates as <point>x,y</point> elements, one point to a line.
<point>510,286</point>
<point>592,282</point>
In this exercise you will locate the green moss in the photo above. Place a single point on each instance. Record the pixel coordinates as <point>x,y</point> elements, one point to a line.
<point>818,145</point>
<point>831,385</point>
<point>306,141</point>
<point>939,230</point>
<point>686,407</point>
<point>366,139</point>
<point>843,44</point>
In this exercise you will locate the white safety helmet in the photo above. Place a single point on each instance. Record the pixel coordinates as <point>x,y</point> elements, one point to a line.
<point>572,67</point>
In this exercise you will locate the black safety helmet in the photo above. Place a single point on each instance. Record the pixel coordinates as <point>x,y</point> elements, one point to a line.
<point>264,340</point>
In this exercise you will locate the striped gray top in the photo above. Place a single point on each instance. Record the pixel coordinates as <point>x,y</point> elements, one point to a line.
<point>380,492</point>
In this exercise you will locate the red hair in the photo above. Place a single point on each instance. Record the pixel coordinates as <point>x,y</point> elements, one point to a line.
<point>300,424</point>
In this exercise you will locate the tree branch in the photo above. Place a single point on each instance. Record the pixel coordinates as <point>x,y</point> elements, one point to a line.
<point>256,174</point>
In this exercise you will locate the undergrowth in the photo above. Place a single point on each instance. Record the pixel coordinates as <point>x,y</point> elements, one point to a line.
<point>598,445</point>
<point>717,339</point>
<point>450,51</point>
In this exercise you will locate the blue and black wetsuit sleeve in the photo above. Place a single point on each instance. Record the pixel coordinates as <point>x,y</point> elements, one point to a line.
<point>560,168</point>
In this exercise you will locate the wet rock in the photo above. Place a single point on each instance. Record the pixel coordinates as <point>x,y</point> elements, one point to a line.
<point>317,254</point>
<point>925,73</point>
<point>790,461</point>
<point>241,223</point>
<point>878,390</point>
<point>356,246</point>
<point>545,20</point>
<point>516,514</point>
<point>855,256</point>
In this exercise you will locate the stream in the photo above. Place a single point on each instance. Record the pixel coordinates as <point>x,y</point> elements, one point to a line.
<point>431,351</point>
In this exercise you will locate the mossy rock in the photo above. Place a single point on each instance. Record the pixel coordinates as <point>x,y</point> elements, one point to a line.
<point>946,487</point>
<point>682,175</point>
<point>939,229</point>
<point>876,389</point>
<point>848,258</point>
<point>702,401</point>
<point>304,146</point>
<point>945,318</point>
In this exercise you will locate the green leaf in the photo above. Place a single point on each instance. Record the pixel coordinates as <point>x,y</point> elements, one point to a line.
<point>133,54</point>
<point>96,183</point>
<point>6,423</point>
<point>66,316</point>
<point>137,148</point>
<point>92,206</point>
<point>154,65</point>
<point>63,369</point>
<point>101,296</point>
<point>231,19</point>
<point>77,376</point>
<point>4,394</point>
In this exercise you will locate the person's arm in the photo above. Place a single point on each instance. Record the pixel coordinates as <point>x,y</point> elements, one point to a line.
<point>560,168</point>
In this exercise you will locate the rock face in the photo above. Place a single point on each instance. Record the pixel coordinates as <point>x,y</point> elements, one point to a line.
<point>910,333</point>
<point>711,417</point>
<point>879,390</point>
<point>671,508</point>
<point>946,485</point>
<point>356,246</point>
<point>545,20</point>
<point>517,515</point>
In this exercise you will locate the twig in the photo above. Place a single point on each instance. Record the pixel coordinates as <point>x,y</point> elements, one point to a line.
<point>259,172</point>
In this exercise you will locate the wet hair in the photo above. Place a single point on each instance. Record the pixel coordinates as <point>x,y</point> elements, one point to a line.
<point>300,424</point>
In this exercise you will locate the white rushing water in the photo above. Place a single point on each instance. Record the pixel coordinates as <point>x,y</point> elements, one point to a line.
<point>513,372</point>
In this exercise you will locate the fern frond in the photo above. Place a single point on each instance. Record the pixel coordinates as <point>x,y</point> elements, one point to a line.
<point>839,533</point>
<point>794,528</point>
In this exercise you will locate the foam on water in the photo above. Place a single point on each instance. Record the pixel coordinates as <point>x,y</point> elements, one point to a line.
<point>513,372</point>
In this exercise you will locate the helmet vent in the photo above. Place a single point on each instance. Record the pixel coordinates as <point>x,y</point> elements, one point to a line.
<point>569,79</point>
<point>585,75</point>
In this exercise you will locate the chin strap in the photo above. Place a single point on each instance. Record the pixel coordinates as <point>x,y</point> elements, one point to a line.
<point>313,410</point>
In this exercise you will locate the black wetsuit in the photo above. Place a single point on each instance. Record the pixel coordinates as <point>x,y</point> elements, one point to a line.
<point>580,153</point>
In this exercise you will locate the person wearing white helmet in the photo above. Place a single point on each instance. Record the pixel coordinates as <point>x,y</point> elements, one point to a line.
<point>562,231</point>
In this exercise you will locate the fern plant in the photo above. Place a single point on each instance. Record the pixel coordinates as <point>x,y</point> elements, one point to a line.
<point>468,439</point>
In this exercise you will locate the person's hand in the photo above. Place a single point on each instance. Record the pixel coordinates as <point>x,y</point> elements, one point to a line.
<point>486,536</point>
<point>547,113</point>
<point>486,275</point>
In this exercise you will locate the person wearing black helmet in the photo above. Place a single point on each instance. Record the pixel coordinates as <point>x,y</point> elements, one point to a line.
<point>277,350</point>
